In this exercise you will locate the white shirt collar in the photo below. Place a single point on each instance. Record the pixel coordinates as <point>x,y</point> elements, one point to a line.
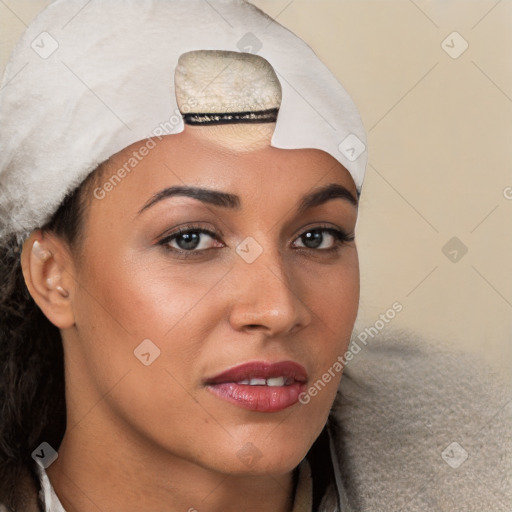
<point>47,494</point>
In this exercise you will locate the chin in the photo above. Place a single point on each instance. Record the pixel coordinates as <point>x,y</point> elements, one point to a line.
<point>264,455</point>
<point>264,464</point>
<point>273,447</point>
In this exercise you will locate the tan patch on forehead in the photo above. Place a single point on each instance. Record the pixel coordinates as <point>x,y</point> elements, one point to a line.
<point>235,137</point>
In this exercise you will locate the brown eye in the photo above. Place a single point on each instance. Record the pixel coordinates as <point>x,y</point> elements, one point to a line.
<point>322,238</point>
<point>312,239</point>
<point>188,241</point>
<point>191,240</point>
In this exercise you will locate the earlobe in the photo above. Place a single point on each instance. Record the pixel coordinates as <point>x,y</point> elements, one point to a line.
<point>45,265</point>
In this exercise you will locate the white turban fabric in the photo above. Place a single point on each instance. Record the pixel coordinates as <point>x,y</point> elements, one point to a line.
<point>91,77</point>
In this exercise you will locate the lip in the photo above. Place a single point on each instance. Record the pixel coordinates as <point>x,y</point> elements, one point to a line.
<point>260,398</point>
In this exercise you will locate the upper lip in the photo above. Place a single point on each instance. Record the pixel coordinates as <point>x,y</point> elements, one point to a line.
<point>263,370</point>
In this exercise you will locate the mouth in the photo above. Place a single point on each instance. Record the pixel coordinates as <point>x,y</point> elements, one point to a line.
<point>260,386</point>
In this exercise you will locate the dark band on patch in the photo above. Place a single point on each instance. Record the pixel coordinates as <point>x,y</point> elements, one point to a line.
<point>261,116</point>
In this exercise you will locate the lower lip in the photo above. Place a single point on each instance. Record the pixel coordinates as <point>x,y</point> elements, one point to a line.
<point>258,398</point>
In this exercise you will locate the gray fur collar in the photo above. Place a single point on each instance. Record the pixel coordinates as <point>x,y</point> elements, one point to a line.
<point>422,427</point>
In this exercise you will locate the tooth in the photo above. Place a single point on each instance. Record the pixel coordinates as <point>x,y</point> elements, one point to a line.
<point>246,381</point>
<point>257,382</point>
<point>275,381</point>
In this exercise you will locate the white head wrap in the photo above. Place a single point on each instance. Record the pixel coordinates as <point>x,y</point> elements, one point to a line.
<point>91,77</point>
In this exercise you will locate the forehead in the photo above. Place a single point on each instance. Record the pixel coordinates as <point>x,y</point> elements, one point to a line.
<point>189,155</point>
<point>135,174</point>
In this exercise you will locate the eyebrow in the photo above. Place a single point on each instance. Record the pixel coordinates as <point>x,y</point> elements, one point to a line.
<point>326,193</point>
<point>232,201</point>
<point>214,197</point>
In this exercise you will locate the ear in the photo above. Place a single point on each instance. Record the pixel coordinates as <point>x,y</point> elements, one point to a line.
<point>47,267</point>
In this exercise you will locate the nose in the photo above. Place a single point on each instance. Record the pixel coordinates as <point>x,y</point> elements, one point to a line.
<point>267,297</point>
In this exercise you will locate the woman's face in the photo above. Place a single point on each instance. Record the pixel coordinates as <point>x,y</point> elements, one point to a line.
<point>258,275</point>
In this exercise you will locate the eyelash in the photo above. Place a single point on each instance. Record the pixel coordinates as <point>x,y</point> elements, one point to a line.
<point>341,238</point>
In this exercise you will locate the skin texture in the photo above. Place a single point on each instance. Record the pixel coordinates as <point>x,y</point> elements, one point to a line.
<point>153,435</point>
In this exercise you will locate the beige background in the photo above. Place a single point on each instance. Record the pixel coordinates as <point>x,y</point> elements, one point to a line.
<point>440,132</point>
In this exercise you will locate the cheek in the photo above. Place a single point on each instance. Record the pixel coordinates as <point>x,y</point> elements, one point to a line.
<point>332,294</point>
<point>335,300</point>
<point>148,297</point>
<point>165,309</point>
